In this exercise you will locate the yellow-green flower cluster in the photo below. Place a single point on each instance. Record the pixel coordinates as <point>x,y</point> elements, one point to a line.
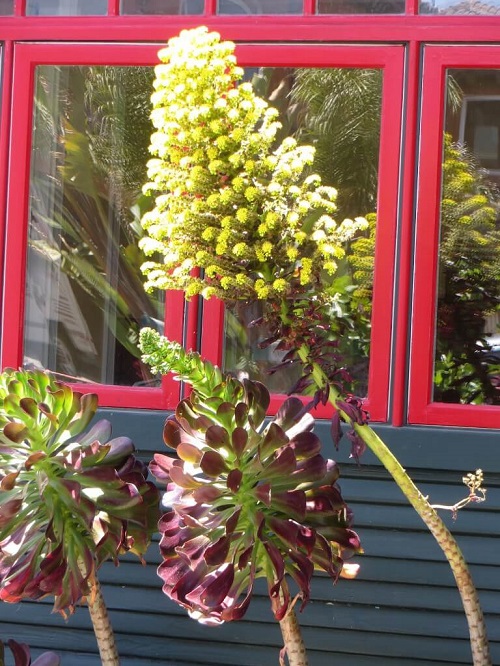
<point>228,201</point>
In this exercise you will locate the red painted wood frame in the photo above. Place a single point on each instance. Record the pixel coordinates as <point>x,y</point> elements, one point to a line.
<point>390,60</point>
<point>26,58</point>
<point>422,409</point>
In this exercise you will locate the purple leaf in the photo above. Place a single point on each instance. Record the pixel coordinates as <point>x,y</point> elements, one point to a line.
<point>216,553</point>
<point>213,464</point>
<point>336,429</point>
<point>305,445</point>
<point>234,480</point>
<point>239,440</point>
<point>217,437</point>
<point>358,447</point>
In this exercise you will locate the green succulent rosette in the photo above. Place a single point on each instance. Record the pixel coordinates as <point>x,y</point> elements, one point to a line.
<point>70,498</point>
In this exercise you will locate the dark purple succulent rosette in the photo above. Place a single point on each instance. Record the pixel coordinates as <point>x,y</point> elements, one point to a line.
<point>246,500</point>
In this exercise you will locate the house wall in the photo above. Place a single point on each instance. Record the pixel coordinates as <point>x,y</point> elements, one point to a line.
<point>403,609</point>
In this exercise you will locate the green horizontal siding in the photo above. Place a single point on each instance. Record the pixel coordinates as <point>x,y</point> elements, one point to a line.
<point>402,610</point>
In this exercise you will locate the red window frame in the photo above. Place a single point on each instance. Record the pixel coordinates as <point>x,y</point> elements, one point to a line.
<point>422,409</point>
<point>26,58</point>
<point>28,55</point>
<point>391,60</point>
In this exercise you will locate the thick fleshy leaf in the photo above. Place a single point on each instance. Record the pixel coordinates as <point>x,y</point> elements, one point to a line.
<point>212,464</point>
<point>216,590</point>
<point>234,480</point>
<point>305,445</point>
<point>274,438</point>
<point>160,467</point>
<point>189,453</point>
<point>15,432</point>
<point>291,503</point>
<point>257,399</point>
<point>239,441</point>
<point>282,466</point>
<point>47,659</point>
<point>9,481</point>
<point>217,437</point>
<point>20,652</point>
<point>290,413</point>
<point>216,553</point>
<point>179,476</point>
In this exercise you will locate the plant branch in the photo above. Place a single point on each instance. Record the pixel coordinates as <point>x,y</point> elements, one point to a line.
<point>102,626</point>
<point>477,629</point>
<point>294,646</point>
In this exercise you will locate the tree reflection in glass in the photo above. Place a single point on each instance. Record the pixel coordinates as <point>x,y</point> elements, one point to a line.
<point>467,354</point>
<point>85,301</point>
<point>338,111</point>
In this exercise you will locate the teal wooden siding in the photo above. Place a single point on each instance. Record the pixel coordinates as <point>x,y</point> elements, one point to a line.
<point>403,609</point>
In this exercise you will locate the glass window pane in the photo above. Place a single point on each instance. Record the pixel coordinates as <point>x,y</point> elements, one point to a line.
<point>338,111</point>
<point>459,7</point>
<point>467,358</point>
<point>259,7</point>
<point>66,7</point>
<point>85,301</point>
<point>161,7</point>
<point>361,7</point>
<point>6,7</point>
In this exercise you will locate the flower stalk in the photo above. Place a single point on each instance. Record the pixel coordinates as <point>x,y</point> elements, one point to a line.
<point>468,593</point>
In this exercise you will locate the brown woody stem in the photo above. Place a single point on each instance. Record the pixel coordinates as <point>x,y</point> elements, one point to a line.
<point>102,626</point>
<point>477,628</point>
<point>292,639</point>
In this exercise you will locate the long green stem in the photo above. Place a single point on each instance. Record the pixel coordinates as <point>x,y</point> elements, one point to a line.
<point>477,629</point>
<point>102,627</point>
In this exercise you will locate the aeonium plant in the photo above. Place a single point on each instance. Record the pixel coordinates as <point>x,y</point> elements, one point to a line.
<point>247,498</point>
<point>70,498</point>
<point>243,217</point>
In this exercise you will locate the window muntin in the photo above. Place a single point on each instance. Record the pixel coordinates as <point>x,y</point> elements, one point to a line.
<point>338,111</point>
<point>85,301</point>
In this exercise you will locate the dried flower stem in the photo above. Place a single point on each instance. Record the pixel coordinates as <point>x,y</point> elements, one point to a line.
<point>477,629</point>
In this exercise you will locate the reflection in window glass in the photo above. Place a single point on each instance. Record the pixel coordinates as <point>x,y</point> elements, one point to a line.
<point>338,111</point>
<point>361,7</point>
<point>144,7</point>
<point>259,7</point>
<point>460,7</point>
<point>66,7</point>
<point>467,359</point>
<point>6,7</point>
<point>85,301</point>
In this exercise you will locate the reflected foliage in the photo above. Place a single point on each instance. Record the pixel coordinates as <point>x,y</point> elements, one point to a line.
<point>92,135</point>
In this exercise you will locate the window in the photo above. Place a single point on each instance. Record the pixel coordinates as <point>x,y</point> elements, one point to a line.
<point>88,136</point>
<point>458,242</point>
